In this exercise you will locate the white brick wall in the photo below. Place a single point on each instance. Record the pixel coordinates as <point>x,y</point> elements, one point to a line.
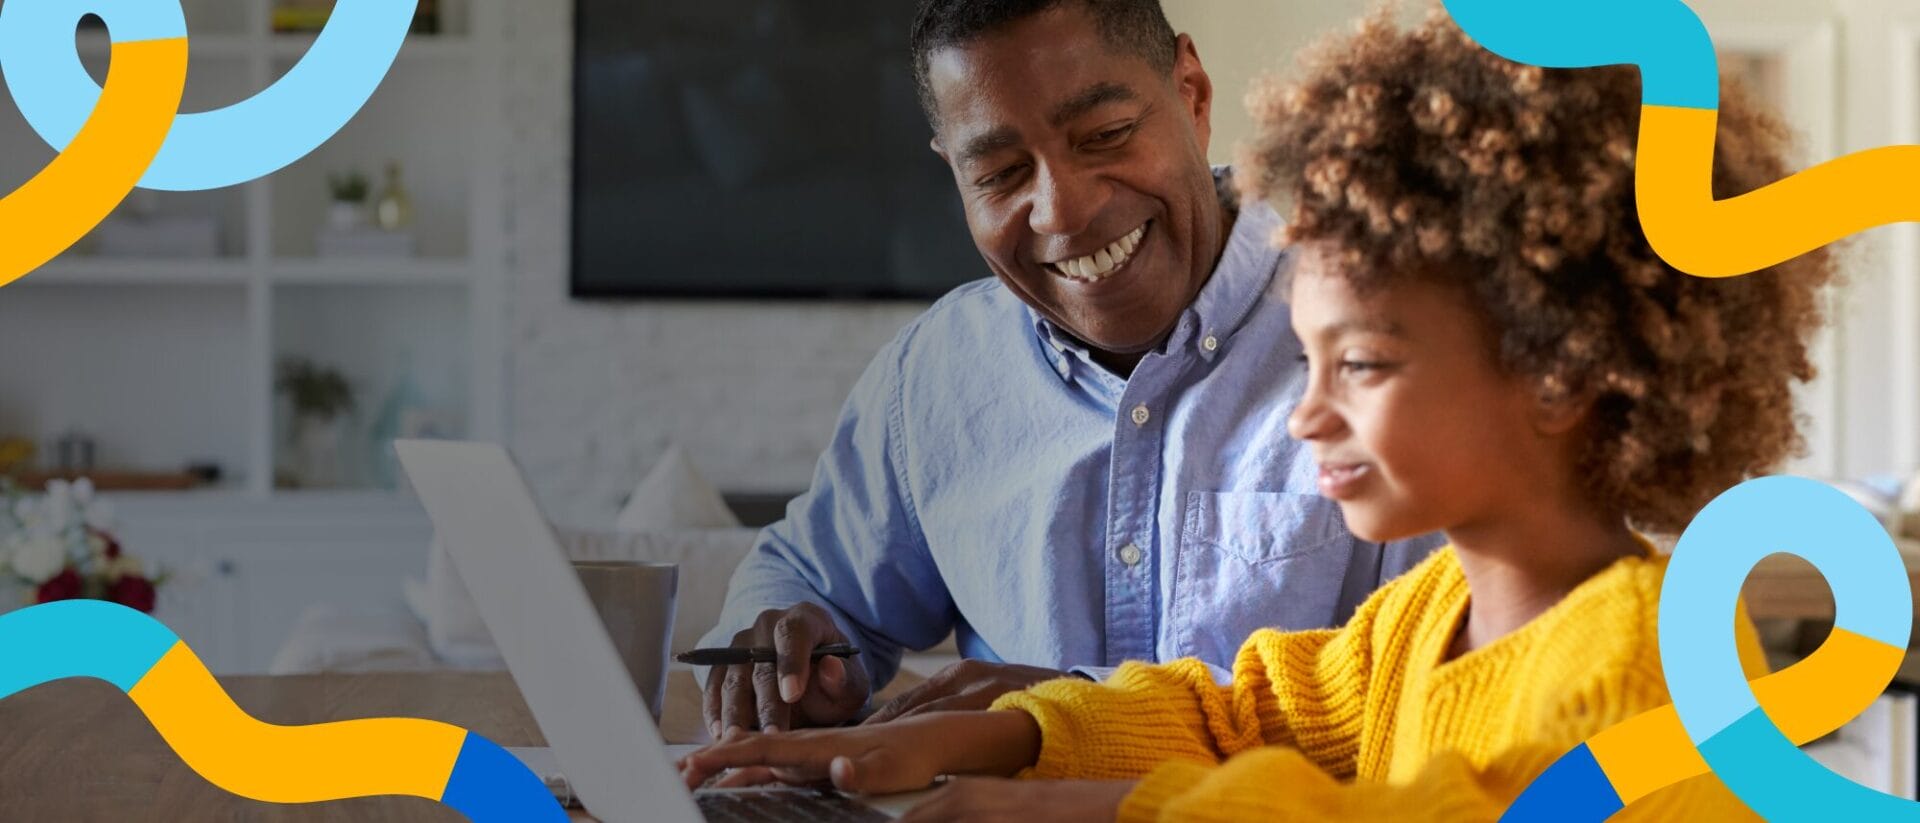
<point>597,389</point>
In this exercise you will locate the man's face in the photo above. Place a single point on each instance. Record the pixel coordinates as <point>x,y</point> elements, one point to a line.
<point>1084,174</point>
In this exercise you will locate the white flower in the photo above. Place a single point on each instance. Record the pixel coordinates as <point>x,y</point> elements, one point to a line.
<point>35,521</point>
<point>32,513</point>
<point>38,557</point>
<point>83,490</point>
<point>100,515</point>
<point>57,507</point>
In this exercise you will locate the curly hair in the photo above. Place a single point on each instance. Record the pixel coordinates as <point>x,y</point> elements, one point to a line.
<point>1416,153</point>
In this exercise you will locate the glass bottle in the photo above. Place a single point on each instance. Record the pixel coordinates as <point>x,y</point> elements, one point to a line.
<point>394,210</point>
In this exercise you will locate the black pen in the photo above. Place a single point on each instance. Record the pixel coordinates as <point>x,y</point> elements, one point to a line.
<point>736,655</point>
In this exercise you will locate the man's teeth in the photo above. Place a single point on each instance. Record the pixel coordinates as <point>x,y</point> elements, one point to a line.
<point>1098,265</point>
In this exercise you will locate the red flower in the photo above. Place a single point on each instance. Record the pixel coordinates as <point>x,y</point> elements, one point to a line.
<point>62,586</point>
<point>112,550</point>
<point>134,592</point>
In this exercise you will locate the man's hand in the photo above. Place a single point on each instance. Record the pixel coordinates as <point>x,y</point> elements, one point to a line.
<point>895,757</point>
<point>1019,801</point>
<point>793,692</point>
<point>969,685</point>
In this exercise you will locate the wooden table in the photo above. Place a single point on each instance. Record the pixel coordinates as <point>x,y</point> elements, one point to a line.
<point>1785,588</point>
<point>78,750</point>
<point>1788,587</point>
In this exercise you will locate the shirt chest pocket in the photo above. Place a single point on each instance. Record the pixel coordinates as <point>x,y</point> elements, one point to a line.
<point>1261,528</point>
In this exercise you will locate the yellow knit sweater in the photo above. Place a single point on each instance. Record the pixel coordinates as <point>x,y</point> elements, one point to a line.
<point>1371,721</point>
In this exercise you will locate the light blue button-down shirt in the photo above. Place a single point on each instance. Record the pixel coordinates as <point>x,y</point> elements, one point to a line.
<point>988,478</point>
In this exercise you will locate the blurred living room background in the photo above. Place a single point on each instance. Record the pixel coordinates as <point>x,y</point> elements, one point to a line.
<point>461,260</point>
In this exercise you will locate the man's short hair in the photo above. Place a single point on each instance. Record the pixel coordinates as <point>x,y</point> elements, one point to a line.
<point>1138,27</point>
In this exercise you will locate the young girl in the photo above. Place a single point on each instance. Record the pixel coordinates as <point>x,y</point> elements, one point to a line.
<point>1493,351</point>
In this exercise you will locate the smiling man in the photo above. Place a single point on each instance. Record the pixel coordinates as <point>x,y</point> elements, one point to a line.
<point>1083,460</point>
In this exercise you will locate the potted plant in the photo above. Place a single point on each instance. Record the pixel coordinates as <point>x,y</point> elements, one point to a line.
<point>320,398</point>
<point>349,208</point>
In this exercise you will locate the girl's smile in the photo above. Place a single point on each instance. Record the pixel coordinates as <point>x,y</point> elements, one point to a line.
<point>1343,481</point>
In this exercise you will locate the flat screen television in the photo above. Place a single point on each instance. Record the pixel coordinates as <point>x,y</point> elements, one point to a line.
<point>757,148</point>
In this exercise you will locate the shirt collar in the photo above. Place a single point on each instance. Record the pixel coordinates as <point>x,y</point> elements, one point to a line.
<point>1244,273</point>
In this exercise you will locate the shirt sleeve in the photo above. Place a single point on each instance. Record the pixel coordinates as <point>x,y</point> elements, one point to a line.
<point>1099,674</point>
<point>852,543</point>
<point>1298,689</point>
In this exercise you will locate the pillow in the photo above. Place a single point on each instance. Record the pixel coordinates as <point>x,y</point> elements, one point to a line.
<point>706,558</point>
<point>334,639</point>
<point>414,590</point>
<point>674,496</point>
<point>673,516</point>
<point>455,630</point>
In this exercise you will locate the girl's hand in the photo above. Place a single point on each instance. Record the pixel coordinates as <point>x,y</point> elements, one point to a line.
<point>1021,801</point>
<point>893,757</point>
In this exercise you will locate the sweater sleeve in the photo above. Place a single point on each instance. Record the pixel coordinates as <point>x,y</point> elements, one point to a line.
<point>1299,689</point>
<point>1282,784</point>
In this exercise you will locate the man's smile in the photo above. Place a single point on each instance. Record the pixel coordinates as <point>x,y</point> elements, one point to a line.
<point>1101,264</point>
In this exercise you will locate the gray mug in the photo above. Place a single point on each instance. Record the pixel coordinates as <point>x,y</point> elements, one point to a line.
<point>636,602</point>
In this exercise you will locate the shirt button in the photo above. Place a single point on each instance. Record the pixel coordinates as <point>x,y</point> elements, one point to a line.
<point>1130,554</point>
<point>1211,343</point>
<point>1140,415</point>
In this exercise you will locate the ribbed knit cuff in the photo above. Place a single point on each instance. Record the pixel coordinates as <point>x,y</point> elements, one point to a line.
<point>1158,788</point>
<point>1056,760</point>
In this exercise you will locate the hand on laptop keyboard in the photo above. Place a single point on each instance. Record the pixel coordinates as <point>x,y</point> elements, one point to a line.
<point>797,806</point>
<point>892,757</point>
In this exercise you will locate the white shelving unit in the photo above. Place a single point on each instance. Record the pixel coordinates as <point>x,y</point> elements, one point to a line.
<point>169,361</point>
<point>164,362</point>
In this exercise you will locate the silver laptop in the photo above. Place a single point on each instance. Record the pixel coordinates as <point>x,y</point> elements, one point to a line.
<point>559,654</point>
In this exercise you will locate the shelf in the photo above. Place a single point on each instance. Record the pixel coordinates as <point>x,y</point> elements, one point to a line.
<point>112,271</point>
<point>94,44</point>
<point>369,272</point>
<point>417,47</point>
<point>108,480</point>
<point>219,321</point>
<point>290,46</point>
<point>235,507</point>
<point>236,496</point>
<point>237,271</point>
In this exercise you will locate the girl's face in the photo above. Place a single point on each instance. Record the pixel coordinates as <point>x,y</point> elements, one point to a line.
<point>1414,426</point>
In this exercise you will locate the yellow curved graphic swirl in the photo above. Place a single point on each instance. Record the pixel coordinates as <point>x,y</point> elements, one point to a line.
<point>52,211</point>
<point>280,764</point>
<point>251,758</point>
<point>1725,238</point>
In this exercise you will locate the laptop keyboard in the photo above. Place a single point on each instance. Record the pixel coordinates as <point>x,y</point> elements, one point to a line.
<point>784,806</point>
